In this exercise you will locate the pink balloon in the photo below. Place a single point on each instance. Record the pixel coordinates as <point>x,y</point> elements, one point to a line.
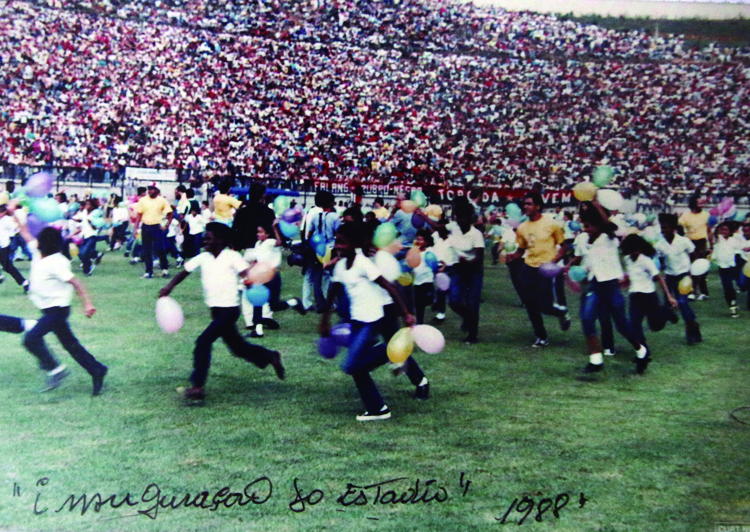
<point>169,315</point>
<point>428,338</point>
<point>77,240</point>
<point>714,212</point>
<point>550,270</point>
<point>442,281</point>
<point>725,205</point>
<point>39,185</point>
<point>261,273</point>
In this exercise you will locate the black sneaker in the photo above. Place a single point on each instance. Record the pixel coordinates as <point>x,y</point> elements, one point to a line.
<point>593,368</point>
<point>278,367</point>
<point>2,279</point>
<point>540,343</point>
<point>565,321</point>
<point>271,324</point>
<point>423,391</point>
<point>195,393</point>
<point>299,307</point>
<point>642,363</point>
<point>99,381</point>
<point>25,286</point>
<point>384,413</point>
<point>53,381</point>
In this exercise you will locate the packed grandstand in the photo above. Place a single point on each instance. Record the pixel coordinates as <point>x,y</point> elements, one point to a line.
<point>371,92</point>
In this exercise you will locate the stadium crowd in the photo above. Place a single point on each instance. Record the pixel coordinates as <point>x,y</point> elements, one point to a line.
<point>370,92</point>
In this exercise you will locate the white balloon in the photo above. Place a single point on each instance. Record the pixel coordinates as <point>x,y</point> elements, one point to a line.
<point>388,265</point>
<point>629,207</point>
<point>609,199</point>
<point>169,315</point>
<point>699,267</point>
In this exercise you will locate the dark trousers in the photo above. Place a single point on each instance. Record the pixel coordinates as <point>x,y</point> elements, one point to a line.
<point>728,277</point>
<point>317,273</point>
<point>17,241</point>
<point>605,299</point>
<point>6,261</point>
<point>442,296</point>
<point>423,297</point>
<point>647,306</point>
<point>171,247</point>
<point>191,246</point>
<point>118,234</point>
<point>55,320</point>
<point>366,354</point>
<point>11,324</point>
<point>515,270</point>
<point>536,294</point>
<point>559,283</point>
<point>224,326</point>
<point>153,240</point>
<point>466,296</point>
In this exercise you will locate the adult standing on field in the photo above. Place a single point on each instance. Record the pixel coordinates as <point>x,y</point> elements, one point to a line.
<point>542,240</point>
<point>695,222</point>
<point>152,210</point>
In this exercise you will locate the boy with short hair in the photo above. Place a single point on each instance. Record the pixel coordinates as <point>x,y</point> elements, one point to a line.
<point>221,269</point>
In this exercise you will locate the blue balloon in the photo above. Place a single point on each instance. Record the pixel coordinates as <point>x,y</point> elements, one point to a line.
<point>431,261</point>
<point>258,295</point>
<point>578,273</point>
<point>316,239</point>
<point>327,347</point>
<point>712,221</point>
<point>321,249</point>
<point>404,266</point>
<point>289,230</point>
<point>417,221</point>
<point>342,334</point>
<point>575,226</point>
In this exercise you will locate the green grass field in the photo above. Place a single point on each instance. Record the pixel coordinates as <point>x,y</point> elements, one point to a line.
<point>653,453</point>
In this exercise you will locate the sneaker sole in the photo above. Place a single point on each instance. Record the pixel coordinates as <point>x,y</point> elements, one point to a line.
<point>374,418</point>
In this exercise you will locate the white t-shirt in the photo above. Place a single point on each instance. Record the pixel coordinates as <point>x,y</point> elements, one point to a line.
<point>8,229</point>
<point>464,244</point>
<point>641,273</point>
<point>741,243</point>
<point>724,252</point>
<point>443,250</point>
<point>220,276</point>
<point>602,259</point>
<point>120,215</point>
<point>676,256</point>
<point>266,251</point>
<point>196,223</point>
<point>49,279</point>
<point>84,218</point>
<point>365,296</point>
<point>423,274</point>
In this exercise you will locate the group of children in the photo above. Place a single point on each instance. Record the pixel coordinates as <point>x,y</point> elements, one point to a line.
<point>371,304</point>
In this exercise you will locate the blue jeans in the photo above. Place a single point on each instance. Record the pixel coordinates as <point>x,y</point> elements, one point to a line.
<point>673,282</point>
<point>11,324</point>
<point>466,296</point>
<point>224,326</point>
<point>728,277</point>
<point>605,299</point>
<point>55,320</point>
<point>646,305</point>
<point>87,253</point>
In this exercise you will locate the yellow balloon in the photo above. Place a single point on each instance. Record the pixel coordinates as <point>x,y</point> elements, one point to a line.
<point>685,286</point>
<point>73,250</point>
<point>746,269</point>
<point>413,257</point>
<point>434,211</point>
<point>325,258</point>
<point>405,279</point>
<point>584,191</point>
<point>401,346</point>
<point>408,206</point>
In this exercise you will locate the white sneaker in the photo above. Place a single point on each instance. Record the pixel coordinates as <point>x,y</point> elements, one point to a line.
<point>702,297</point>
<point>609,352</point>
<point>440,316</point>
<point>165,274</point>
<point>691,297</point>
<point>384,413</point>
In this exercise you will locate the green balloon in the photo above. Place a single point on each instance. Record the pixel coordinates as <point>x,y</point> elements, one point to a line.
<point>603,176</point>
<point>385,234</point>
<point>418,197</point>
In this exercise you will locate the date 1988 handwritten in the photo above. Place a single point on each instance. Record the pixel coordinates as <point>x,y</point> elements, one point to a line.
<point>526,506</point>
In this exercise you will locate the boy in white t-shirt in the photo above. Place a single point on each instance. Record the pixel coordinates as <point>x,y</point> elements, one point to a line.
<point>8,229</point>
<point>51,287</point>
<point>221,268</point>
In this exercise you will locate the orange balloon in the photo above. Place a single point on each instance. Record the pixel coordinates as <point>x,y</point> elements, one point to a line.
<point>261,273</point>
<point>394,247</point>
<point>413,257</point>
<point>408,206</point>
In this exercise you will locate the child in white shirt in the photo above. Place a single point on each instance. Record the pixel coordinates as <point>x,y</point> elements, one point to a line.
<point>221,268</point>
<point>424,276</point>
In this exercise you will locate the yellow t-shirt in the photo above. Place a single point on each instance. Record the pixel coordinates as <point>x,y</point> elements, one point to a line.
<point>540,240</point>
<point>223,205</point>
<point>381,213</point>
<point>154,210</point>
<point>695,224</point>
<point>4,197</point>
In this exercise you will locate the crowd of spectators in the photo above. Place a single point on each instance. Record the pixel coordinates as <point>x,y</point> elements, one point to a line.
<point>409,91</point>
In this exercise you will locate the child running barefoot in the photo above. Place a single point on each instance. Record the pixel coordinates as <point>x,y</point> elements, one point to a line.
<point>675,252</point>
<point>51,286</point>
<point>641,272</point>
<point>221,269</point>
<point>603,296</point>
<point>364,286</point>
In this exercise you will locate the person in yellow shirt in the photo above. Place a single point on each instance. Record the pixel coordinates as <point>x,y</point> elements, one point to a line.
<point>540,240</point>
<point>378,207</point>
<point>151,210</point>
<point>225,205</point>
<point>695,223</point>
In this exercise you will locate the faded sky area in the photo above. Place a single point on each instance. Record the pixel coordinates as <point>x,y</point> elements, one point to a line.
<point>631,8</point>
